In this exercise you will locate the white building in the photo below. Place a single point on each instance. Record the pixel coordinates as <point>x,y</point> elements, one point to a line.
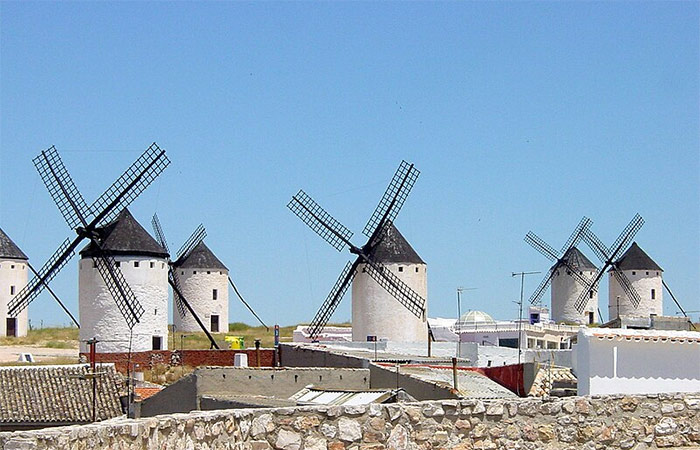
<point>537,332</point>
<point>566,290</point>
<point>328,334</point>
<point>645,276</point>
<point>375,312</point>
<point>144,265</point>
<point>614,361</point>
<point>13,277</point>
<point>204,282</point>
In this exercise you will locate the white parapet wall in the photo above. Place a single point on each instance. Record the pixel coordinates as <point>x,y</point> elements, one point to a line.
<point>615,361</point>
<point>13,277</point>
<point>101,318</point>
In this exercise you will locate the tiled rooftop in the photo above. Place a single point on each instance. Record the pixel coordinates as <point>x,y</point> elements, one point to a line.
<point>57,394</point>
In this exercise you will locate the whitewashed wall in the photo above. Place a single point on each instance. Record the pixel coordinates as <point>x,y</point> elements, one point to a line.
<point>643,283</point>
<point>611,361</point>
<point>375,312</point>
<point>13,272</point>
<point>100,317</point>
<point>197,286</point>
<point>565,292</point>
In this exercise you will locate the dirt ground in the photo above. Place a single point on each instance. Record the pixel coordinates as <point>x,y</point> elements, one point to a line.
<point>10,353</point>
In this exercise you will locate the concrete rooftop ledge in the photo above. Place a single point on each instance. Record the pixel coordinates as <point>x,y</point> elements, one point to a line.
<point>598,422</point>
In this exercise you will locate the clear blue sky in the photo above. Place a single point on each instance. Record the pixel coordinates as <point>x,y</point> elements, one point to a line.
<point>520,116</point>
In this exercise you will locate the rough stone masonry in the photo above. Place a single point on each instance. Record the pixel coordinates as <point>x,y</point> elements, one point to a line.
<point>625,422</point>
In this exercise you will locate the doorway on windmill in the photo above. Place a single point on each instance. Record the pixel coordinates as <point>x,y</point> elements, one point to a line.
<point>591,317</point>
<point>157,343</point>
<point>214,323</point>
<point>11,327</point>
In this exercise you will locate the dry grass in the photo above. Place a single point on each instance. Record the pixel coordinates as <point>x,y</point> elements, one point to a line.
<point>66,337</point>
<point>59,360</point>
<point>247,332</point>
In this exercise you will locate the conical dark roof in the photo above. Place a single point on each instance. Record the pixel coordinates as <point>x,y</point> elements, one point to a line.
<point>9,249</point>
<point>577,260</point>
<point>125,236</point>
<point>636,259</point>
<point>201,258</point>
<point>394,248</point>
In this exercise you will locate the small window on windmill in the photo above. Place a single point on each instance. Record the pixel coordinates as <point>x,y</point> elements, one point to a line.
<point>194,272</point>
<point>183,272</point>
<point>118,264</point>
<point>653,294</point>
<point>634,273</point>
<point>214,294</point>
<point>12,266</point>
<point>400,268</point>
<point>208,272</point>
<point>94,264</point>
<point>416,269</point>
<point>12,290</point>
<point>162,265</point>
<point>590,294</point>
<point>647,272</point>
<point>136,263</point>
<point>152,264</point>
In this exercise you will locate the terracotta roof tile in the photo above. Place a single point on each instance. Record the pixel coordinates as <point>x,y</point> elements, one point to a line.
<point>61,394</point>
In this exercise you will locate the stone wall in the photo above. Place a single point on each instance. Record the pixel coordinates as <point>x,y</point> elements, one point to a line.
<point>625,422</point>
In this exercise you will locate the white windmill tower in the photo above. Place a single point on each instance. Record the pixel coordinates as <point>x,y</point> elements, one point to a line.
<point>645,278</point>
<point>375,312</point>
<point>203,281</point>
<point>566,289</point>
<point>570,277</point>
<point>389,277</point>
<point>144,264</point>
<point>13,277</point>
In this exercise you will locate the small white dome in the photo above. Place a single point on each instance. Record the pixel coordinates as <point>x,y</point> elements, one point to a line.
<point>475,317</point>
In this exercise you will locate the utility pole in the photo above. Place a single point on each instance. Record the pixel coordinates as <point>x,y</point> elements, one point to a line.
<point>459,317</point>
<point>520,307</point>
<point>93,355</point>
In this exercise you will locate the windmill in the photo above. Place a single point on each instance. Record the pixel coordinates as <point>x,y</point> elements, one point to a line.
<point>376,229</point>
<point>180,301</point>
<point>87,220</point>
<point>572,265</point>
<point>195,247</point>
<point>610,257</point>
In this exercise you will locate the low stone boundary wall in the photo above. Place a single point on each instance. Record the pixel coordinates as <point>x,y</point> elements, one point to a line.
<point>625,422</point>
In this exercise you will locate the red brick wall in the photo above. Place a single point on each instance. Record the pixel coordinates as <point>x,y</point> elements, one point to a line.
<point>194,358</point>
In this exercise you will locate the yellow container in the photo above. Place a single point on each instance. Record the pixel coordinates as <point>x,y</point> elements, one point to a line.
<point>235,342</point>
